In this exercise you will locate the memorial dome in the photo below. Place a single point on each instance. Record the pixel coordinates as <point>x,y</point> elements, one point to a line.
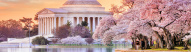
<point>82,2</point>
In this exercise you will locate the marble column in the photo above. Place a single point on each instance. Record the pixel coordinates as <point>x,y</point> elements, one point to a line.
<point>98,20</point>
<point>89,23</point>
<point>93,24</point>
<point>45,25</point>
<point>41,26</point>
<point>77,20</point>
<point>48,25</point>
<point>38,26</point>
<point>63,21</point>
<point>83,19</point>
<point>54,22</point>
<point>71,19</point>
<point>52,25</point>
<point>59,21</point>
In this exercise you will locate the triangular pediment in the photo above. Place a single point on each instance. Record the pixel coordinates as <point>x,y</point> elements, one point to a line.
<point>45,11</point>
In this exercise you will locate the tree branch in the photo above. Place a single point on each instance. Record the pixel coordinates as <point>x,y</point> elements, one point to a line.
<point>170,23</point>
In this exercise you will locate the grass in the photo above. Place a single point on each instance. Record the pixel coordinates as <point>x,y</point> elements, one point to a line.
<point>178,48</point>
<point>165,49</point>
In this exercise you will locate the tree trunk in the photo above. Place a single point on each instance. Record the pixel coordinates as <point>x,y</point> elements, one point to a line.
<point>168,39</point>
<point>151,42</point>
<point>161,44</point>
<point>169,43</point>
<point>186,45</point>
<point>160,39</point>
<point>146,44</point>
<point>133,44</point>
<point>157,45</point>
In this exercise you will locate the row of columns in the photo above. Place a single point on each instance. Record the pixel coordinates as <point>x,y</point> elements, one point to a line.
<point>89,22</point>
<point>47,24</point>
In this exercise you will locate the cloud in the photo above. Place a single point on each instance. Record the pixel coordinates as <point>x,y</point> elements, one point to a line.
<point>3,4</point>
<point>15,4</point>
<point>35,1</point>
<point>11,0</point>
<point>14,1</point>
<point>16,9</point>
<point>13,9</point>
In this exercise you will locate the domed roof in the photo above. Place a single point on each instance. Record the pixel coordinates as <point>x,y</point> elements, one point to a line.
<point>82,2</point>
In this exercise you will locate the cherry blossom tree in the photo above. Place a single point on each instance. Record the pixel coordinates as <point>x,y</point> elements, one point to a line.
<point>105,24</point>
<point>161,17</point>
<point>73,40</point>
<point>82,31</point>
<point>158,18</point>
<point>118,30</point>
<point>89,40</point>
<point>62,32</point>
<point>118,10</point>
<point>166,15</point>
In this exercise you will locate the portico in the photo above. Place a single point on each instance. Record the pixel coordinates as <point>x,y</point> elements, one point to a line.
<point>74,11</point>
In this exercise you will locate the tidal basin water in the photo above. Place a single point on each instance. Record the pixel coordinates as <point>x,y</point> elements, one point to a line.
<point>57,49</point>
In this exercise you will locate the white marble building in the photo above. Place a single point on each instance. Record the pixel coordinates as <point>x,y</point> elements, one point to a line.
<point>74,11</point>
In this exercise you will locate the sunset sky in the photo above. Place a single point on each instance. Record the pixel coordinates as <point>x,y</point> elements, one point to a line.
<point>16,9</point>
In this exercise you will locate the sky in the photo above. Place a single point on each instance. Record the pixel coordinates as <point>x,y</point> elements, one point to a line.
<point>16,9</point>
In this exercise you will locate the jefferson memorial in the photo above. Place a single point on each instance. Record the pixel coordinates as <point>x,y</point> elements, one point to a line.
<point>74,11</point>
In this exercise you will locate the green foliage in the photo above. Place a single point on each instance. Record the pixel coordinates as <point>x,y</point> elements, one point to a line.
<point>111,44</point>
<point>189,42</point>
<point>92,33</point>
<point>40,41</point>
<point>40,50</point>
<point>68,23</point>
<point>84,23</point>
